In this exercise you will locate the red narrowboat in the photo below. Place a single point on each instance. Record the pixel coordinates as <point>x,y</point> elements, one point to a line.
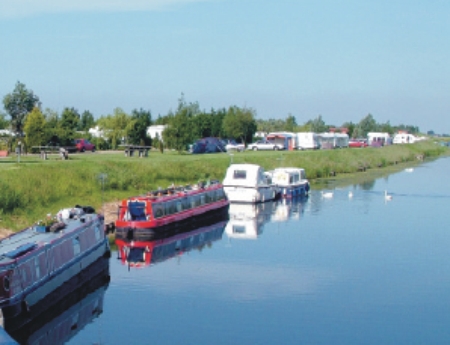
<point>39,259</point>
<point>159,211</point>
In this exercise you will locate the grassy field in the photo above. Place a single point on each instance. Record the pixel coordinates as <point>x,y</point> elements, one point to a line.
<point>32,188</point>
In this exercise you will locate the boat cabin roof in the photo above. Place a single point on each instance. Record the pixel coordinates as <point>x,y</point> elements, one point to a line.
<point>283,175</point>
<point>20,243</point>
<point>244,175</point>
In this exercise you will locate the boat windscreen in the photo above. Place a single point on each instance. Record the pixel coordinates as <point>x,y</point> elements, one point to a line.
<point>137,210</point>
<point>136,255</point>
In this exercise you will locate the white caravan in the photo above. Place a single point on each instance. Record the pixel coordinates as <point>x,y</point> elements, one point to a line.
<point>307,141</point>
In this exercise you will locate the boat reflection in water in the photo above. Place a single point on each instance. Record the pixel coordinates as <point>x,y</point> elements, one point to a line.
<point>202,232</point>
<point>289,209</point>
<point>63,313</point>
<point>247,220</point>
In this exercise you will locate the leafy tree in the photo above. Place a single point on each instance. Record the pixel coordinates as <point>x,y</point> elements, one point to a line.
<point>34,128</point>
<point>86,121</point>
<point>68,125</point>
<point>179,132</point>
<point>115,126</point>
<point>240,123</point>
<point>366,125</point>
<point>351,127</point>
<point>4,123</point>
<point>317,125</point>
<point>291,123</point>
<point>140,121</point>
<point>18,104</point>
<point>217,117</point>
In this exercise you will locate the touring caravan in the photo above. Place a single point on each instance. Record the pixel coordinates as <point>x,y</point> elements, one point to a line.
<point>377,139</point>
<point>287,139</point>
<point>333,140</point>
<point>404,138</point>
<point>307,141</point>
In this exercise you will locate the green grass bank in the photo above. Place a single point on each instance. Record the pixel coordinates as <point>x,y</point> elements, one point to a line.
<point>34,187</point>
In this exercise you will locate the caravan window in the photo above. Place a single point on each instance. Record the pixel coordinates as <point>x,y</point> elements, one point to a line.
<point>240,174</point>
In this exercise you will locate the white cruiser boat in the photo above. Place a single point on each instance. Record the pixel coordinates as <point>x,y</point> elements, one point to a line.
<point>291,182</point>
<point>248,183</point>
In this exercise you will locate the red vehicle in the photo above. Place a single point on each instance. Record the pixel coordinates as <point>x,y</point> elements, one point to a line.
<point>84,145</point>
<point>357,143</point>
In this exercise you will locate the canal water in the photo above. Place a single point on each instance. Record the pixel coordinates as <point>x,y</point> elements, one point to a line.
<point>340,270</point>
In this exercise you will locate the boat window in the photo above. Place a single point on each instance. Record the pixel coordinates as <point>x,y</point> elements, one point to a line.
<point>179,206</point>
<point>168,207</point>
<point>238,229</point>
<point>76,246</point>
<point>240,174</point>
<point>207,197</point>
<point>220,194</point>
<point>186,204</point>
<point>158,210</point>
<point>97,233</point>
<point>37,267</point>
<point>202,199</point>
<point>197,200</point>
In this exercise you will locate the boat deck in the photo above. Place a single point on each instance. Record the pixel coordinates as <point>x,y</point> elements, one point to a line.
<point>19,243</point>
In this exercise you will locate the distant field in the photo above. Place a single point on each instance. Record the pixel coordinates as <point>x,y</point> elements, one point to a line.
<point>35,187</point>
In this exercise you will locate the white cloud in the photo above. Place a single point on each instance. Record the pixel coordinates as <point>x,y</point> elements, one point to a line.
<point>24,8</point>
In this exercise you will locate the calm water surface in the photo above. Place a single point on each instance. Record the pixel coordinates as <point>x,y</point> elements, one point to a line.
<point>321,271</point>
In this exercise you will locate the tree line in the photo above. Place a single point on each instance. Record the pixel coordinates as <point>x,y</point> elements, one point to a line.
<point>187,123</point>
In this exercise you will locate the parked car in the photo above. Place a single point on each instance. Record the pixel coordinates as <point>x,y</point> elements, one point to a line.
<point>357,143</point>
<point>264,144</point>
<point>232,145</point>
<point>84,145</point>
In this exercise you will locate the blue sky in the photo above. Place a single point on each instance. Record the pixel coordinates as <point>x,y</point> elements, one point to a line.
<point>339,59</point>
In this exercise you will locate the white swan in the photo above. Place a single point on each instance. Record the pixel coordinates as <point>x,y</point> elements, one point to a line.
<point>350,194</point>
<point>387,196</point>
<point>327,194</point>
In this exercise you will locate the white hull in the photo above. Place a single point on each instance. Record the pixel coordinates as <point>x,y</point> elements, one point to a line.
<point>250,194</point>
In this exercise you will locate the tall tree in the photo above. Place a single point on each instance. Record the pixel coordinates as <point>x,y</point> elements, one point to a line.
<point>137,133</point>
<point>318,125</point>
<point>240,123</point>
<point>291,123</point>
<point>4,123</point>
<point>366,125</point>
<point>86,121</point>
<point>115,126</point>
<point>34,128</point>
<point>68,125</point>
<point>18,104</point>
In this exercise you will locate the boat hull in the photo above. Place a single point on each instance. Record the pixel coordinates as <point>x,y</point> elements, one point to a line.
<point>293,191</point>
<point>153,232</point>
<point>250,194</point>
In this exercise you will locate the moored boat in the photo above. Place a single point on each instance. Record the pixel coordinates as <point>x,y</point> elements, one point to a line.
<point>37,260</point>
<point>247,183</point>
<point>159,211</point>
<point>291,182</point>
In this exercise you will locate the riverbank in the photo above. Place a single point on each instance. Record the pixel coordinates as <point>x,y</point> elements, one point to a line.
<point>33,187</point>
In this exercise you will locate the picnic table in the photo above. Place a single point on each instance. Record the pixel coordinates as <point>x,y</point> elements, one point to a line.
<point>141,151</point>
<point>45,150</point>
